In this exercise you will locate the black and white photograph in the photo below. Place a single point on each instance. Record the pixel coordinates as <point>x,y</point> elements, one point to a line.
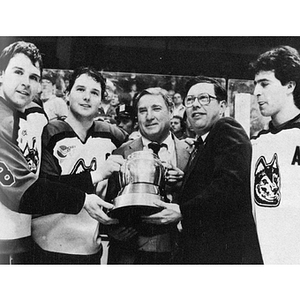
<point>149,165</point>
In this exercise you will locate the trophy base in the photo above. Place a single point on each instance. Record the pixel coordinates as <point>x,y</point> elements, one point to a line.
<point>129,209</point>
<point>134,205</point>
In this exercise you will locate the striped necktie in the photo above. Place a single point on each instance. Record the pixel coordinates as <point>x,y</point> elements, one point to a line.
<point>197,145</point>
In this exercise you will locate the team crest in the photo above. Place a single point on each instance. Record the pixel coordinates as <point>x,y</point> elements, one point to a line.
<point>267,182</point>
<point>63,151</point>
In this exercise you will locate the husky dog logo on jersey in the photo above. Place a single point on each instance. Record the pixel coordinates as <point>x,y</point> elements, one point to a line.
<point>267,182</point>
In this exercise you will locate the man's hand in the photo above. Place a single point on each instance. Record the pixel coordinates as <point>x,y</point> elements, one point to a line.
<point>170,214</point>
<point>173,174</point>
<point>112,164</point>
<point>94,204</point>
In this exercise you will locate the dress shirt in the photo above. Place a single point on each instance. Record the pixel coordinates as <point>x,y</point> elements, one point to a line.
<point>165,155</point>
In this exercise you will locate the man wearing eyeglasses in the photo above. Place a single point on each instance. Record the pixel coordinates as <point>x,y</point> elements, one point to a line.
<point>214,202</point>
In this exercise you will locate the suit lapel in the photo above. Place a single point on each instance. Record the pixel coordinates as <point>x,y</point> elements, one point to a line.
<point>136,145</point>
<point>182,154</point>
<point>193,163</point>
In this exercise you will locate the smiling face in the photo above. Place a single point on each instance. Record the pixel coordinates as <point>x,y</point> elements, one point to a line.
<point>85,97</point>
<point>20,81</point>
<point>153,117</point>
<point>203,117</point>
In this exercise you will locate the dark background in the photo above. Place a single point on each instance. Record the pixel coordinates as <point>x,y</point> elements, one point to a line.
<point>226,57</point>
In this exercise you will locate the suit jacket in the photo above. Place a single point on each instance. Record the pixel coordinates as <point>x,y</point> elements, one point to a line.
<point>161,244</point>
<point>218,226</point>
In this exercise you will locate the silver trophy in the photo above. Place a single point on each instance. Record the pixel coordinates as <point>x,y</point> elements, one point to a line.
<point>142,181</point>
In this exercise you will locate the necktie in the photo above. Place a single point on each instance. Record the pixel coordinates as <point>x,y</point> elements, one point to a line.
<point>199,142</point>
<point>197,145</point>
<point>156,147</point>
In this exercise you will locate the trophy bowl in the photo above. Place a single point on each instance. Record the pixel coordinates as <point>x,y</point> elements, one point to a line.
<point>142,179</point>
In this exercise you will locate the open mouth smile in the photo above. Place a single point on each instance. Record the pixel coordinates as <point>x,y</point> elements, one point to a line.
<point>24,93</point>
<point>85,105</point>
<point>198,114</point>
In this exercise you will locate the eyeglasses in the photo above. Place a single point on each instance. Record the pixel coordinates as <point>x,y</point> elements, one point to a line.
<point>203,99</point>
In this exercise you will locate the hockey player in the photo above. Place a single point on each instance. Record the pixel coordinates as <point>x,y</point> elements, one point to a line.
<point>21,125</point>
<point>276,156</point>
<point>76,149</point>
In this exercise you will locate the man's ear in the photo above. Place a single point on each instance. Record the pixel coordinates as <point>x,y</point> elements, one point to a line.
<point>1,76</point>
<point>171,113</point>
<point>223,106</point>
<point>67,98</point>
<point>291,86</point>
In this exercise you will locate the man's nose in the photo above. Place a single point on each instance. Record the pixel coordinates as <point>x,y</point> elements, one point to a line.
<point>87,95</point>
<point>26,80</point>
<point>257,90</point>
<point>149,114</point>
<point>196,103</point>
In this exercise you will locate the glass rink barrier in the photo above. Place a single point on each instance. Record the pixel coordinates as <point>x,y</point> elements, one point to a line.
<point>242,106</point>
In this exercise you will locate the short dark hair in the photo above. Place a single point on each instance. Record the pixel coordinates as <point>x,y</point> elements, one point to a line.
<point>182,121</point>
<point>284,61</point>
<point>154,91</point>
<point>29,49</point>
<point>90,71</point>
<point>220,91</point>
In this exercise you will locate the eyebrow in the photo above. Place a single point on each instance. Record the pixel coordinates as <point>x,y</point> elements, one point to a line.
<point>22,69</point>
<point>153,105</point>
<point>83,86</point>
<point>260,80</point>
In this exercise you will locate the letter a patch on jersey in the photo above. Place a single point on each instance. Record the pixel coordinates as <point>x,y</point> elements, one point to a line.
<point>267,182</point>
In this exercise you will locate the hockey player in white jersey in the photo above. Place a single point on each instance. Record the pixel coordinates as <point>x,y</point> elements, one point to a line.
<point>275,173</point>
<point>76,150</point>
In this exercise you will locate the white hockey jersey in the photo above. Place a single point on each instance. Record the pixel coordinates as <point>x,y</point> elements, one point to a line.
<point>65,154</point>
<point>275,188</point>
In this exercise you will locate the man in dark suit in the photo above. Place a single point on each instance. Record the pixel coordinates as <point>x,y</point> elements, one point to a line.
<point>214,202</point>
<point>154,111</point>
